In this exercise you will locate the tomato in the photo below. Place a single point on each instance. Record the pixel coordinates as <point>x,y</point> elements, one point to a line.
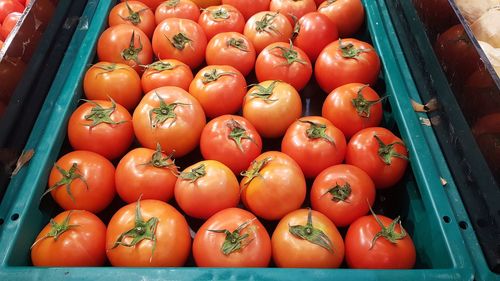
<point>307,238</point>
<point>248,10</point>
<point>82,180</point>
<point>125,44</point>
<point>233,49</point>
<point>102,127</point>
<point>232,238</point>
<point>284,62</point>
<point>134,13</point>
<point>171,117</point>
<point>315,144</point>
<point>271,189</point>
<point>271,106</point>
<point>72,238</point>
<point>346,61</point>
<point>348,15</point>
<point>377,242</point>
<point>147,174</point>
<point>117,81</point>
<point>265,28</point>
<point>223,18</point>
<point>379,153</point>
<point>313,32</point>
<point>166,73</point>
<point>353,107</point>
<point>180,39</point>
<point>152,4</point>
<point>9,23</point>
<point>9,6</point>
<point>219,88</point>
<point>206,188</point>
<point>207,3</point>
<point>318,2</point>
<point>149,233</point>
<point>342,193</point>
<point>184,9</point>
<point>232,140</point>
<point>293,9</point>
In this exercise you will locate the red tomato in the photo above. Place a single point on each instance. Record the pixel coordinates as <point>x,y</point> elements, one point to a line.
<point>171,117</point>
<point>149,233</point>
<point>306,238</point>
<point>82,180</point>
<point>348,15</point>
<point>147,174</point>
<point>271,106</point>
<point>102,127</point>
<point>248,10</point>
<point>232,238</point>
<point>183,9</point>
<point>72,238</point>
<point>180,39</point>
<point>207,3</point>
<point>9,23</point>
<point>315,144</point>
<point>219,89</point>
<point>134,13</point>
<point>166,73</point>
<point>346,61</point>
<point>223,18</point>
<point>293,9</point>
<point>152,4</point>
<point>318,2</point>
<point>342,193</point>
<point>313,32</point>
<point>233,49</point>
<point>232,140</point>
<point>377,242</point>
<point>379,153</point>
<point>353,107</point>
<point>265,28</point>
<point>206,188</point>
<point>9,6</point>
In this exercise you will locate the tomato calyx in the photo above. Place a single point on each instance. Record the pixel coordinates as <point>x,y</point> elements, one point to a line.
<point>158,161</point>
<point>234,240</point>
<point>108,68</point>
<point>99,114</point>
<point>220,14</point>
<point>160,66</point>
<point>350,51</point>
<point>289,54</point>
<point>317,131</point>
<point>213,75</point>
<point>56,229</point>
<point>329,2</point>
<point>254,170</point>
<point>238,133</point>
<point>310,233</point>
<point>67,179</point>
<point>195,173</point>
<point>386,151</point>
<point>389,233</point>
<point>163,112</point>
<point>134,16</point>
<point>237,43</point>
<point>264,93</point>
<point>340,192</point>
<point>362,105</point>
<point>172,3</point>
<point>132,53</point>
<point>179,41</point>
<point>265,24</point>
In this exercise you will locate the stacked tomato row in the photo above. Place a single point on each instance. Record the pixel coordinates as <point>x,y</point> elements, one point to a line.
<point>169,121</point>
<point>10,12</point>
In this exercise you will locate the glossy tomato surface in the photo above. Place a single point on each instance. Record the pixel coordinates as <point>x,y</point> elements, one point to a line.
<point>248,10</point>
<point>134,13</point>
<point>348,15</point>
<point>293,9</point>
<point>233,49</point>
<point>313,32</point>
<point>184,9</point>
<point>265,28</point>
<point>168,72</point>
<point>223,18</point>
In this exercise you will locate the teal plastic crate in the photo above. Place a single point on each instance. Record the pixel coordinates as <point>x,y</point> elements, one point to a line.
<point>426,213</point>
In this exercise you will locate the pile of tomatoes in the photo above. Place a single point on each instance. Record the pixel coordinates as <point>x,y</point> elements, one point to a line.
<point>144,109</point>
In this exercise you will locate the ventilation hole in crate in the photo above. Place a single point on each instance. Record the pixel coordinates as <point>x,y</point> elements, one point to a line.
<point>446,219</point>
<point>14,217</point>
<point>463,225</point>
<point>482,223</point>
<point>1,221</point>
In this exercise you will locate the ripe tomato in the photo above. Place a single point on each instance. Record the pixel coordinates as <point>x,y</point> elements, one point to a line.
<point>313,32</point>
<point>147,174</point>
<point>342,193</point>
<point>171,117</point>
<point>233,49</point>
<point>183,9</point>
<point>293,9</point>
<point>346,61</point>
<point>9,6</point>
<point>9,23</point>
<point>166,73</point>
<point>284,62</point>
<point>223,18</point>
<point>134,13</point>
<point>377,242</point>
<point>72,238</point>
<point>102,127</point>
<point>270,182</point>
<point>271,106</point>
<point>232,238</point>
<point>379,153</point>
<point>82,180</point>
<point>149,233</point>
<point>265,28</point>
<point>307,238</point>
<point>246,9</point>
<point>348,15</point>
<point>125,44</point>
<point>180,39</point>
<point>152,4</point>
<point>205,188</point>
<point>207,3</point>
<point>353,107</point>
<point>219,89</point>
<point>315,144</point>
<point>232,140</point>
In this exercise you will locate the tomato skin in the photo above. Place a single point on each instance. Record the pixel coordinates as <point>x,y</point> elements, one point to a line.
<point>181,133</point>
<point>184,9</point>
<point>9,23</point>
<point>207,245</point>
<point>81,245</point>
<point>120,15</point>
<point>339,109</point>
<point>214,24</point>
<point>220,52</point>
<point>291,251</point>
<point>362,68</point>
<point>97,172</point>
<point>278,29</point>
<point>152,4</point>
<point>384,254</point>
<point>297,8</point>
<point>362,151</point>
<point>317,28</point>
<point>9,6</point>
<point>248,10</point>
<point>348,15</point>
<point>173,241</point>
<point>166,73</point>
<point>207,3</point>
